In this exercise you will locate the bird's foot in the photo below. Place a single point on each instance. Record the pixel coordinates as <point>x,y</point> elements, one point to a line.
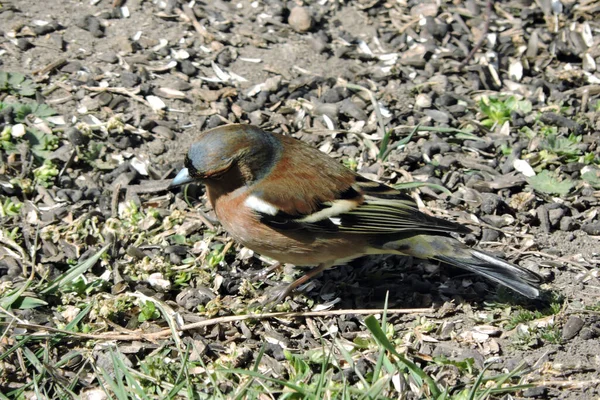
<point>277,294</point>
<point>263,273</point>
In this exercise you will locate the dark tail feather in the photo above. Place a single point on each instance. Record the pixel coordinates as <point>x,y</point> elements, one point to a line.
<point>517,278</point>
<point>451,251</point>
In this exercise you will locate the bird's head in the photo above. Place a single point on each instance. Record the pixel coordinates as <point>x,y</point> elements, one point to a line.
<point>242,151</point>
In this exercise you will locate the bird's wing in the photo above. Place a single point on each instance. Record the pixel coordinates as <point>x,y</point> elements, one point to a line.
<point>304,190</point>
<point>343,202</point>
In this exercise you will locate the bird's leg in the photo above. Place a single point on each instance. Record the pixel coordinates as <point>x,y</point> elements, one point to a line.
<point>262,274</point>
<point>282,292</point>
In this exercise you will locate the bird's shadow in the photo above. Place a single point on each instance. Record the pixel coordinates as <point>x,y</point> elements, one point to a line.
<point>404,282</point>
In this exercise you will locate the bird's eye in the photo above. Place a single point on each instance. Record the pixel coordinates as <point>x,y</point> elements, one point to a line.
<point>190,167</point>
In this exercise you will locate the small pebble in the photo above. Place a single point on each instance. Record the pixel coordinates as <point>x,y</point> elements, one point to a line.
<point>489,235</point>
<point>123,45</point>
<point>572,327</point>
<point>108,57</point>
<point>76,137</point>
<point>592,228</point>
<point>117,102</point>
<point>435,147</point>
<point>568,224</point>
<point>556,215</point>
<point>539,391</point>
<point>213,122</point>
<point>180,85</point>
<point>318,45</point>
<point>41,30</point>
<point>331,96</point>
<point>72,67</point>
<point>438,116</point>
<point>92,25</point>
<point>24,44</point>
<point>163,132</point>
<point>129,79</point>
<point>587,334</point>
<point>490,203</point>
<point>544,218</point>
<point>256,118</point>
<point>435,29</point>
<point>73,195</point>
<point>91,104</point>
<point>274,350</point>
<point>187,68</point>
<point>156,147</point>
<point>224,59</point>
<point>423,100</point>
<point>352,110</point>
<point>300,19</point>
<point>105,98</point>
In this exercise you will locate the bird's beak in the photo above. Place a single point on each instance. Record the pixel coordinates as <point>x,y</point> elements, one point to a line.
<point>182,178</point>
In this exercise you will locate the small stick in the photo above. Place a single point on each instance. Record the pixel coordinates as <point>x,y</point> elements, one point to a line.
<point>52,66</point>
<point>486,28</point>
<point>117,90</point>
<point>137,335</point>
<point>188,15</point>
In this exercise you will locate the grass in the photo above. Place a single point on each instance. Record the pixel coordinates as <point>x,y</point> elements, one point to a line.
<point>59,364</point>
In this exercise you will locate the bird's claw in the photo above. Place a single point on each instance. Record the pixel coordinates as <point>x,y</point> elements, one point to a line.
<point>262,274</point>
<point>277,294</point>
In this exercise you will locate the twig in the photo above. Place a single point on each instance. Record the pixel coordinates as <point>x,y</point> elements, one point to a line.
<point>137,335</point>
<point>567,384</point>
<point>552,257</point>
<point>148,186</point>
<point>373,102</point>
<point>406,26</point>
<point>53,65</point>
<point>114,202</point>
<point>117,90</point>
<point>201,215</point>
<point>188,15</point>
<point>68,163</point>
<point>486,28</point>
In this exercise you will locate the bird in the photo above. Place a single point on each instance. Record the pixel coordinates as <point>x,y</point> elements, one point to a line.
<point>286,200</point>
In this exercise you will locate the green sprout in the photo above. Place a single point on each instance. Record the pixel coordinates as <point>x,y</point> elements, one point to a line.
<point>5,135</point>
<point>350,163</point>
<point>44,175</point>
<point>9,208</point>
<point>549,183</point>
<point>148,312</point>
<point>498,111</point>
<point>15,83</point>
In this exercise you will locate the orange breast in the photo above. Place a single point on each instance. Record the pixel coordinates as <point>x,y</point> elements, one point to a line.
<point>298,247</point>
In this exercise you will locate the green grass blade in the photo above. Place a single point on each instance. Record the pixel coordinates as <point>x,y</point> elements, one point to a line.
<point>477,383</point>
<point>74,272</point>
<point>17,346</point>
<point>418,374</point>
<point>35,362</point>
<point>298,389</point>
<point>383,147</point>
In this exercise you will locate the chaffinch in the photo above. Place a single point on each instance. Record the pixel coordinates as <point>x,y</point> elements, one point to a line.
<point>286,200</point>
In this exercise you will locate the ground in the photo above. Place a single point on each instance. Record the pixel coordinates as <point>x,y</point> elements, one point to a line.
<point>112,285</point>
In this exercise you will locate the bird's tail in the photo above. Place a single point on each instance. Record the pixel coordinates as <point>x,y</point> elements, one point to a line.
<point>451,251</point>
